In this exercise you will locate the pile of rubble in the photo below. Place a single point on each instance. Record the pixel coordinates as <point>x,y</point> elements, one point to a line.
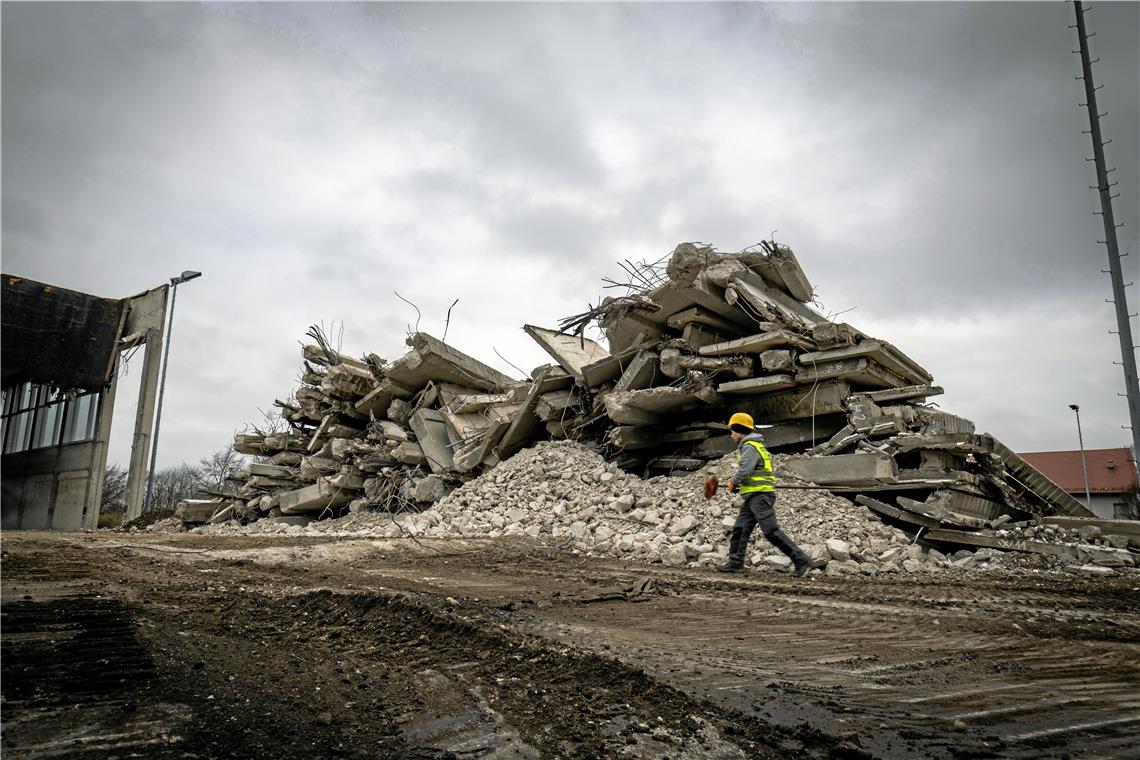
<point>566,495</point>
<point>698,336</point>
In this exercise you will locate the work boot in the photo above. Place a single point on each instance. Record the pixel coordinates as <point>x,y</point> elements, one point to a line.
<point>815,564</point>
<point>729,567</point>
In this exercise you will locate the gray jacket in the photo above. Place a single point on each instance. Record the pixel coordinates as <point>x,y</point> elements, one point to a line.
<point>749,458</point>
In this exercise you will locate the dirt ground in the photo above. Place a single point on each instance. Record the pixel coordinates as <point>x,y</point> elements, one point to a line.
<point>121,645</point>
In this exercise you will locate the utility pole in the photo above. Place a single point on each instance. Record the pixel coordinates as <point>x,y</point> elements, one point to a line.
<point>1104,188</point>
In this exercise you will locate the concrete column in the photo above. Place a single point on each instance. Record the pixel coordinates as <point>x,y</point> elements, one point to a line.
<point>144,424</point>
<point>99,451</point>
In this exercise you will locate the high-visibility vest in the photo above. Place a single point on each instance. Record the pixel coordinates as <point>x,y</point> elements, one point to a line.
<point>762,480</point>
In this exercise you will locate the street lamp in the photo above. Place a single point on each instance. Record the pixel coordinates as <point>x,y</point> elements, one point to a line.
<point>1084,465</point>
<point>174,282</point>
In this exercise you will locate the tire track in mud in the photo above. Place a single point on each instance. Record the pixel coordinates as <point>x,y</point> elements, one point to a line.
<point>912,668</point>
<point>493,650</point>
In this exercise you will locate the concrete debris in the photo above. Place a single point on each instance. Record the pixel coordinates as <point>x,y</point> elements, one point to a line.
<point>437,432</point>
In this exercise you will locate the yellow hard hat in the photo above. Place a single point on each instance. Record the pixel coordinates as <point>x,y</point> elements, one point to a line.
<point>742,419</point>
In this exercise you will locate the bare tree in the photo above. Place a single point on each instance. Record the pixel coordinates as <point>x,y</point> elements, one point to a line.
<point>216,467</point>
<point>114,490</point>
<point>173,484</point>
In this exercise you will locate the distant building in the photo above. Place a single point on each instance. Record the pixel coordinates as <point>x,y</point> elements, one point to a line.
<point>1113,483</point>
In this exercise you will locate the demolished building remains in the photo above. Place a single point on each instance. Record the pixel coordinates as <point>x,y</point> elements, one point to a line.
<point>699,335</point>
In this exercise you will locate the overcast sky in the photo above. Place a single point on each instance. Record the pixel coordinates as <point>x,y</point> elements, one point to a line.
<point>925,162</point>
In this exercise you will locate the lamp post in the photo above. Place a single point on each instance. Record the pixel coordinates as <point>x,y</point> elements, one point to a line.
<point>174,282</point>
<point>1084,465</point>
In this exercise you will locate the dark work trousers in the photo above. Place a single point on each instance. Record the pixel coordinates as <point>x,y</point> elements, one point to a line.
<point>757,509</point>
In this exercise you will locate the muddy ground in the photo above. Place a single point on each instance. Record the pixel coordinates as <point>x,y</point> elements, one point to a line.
<point>184,646</point>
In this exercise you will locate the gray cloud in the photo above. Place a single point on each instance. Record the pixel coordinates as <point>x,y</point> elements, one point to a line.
<point>924,160</point>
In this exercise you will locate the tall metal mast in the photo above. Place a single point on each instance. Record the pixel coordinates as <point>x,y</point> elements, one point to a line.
<point>1104,188</point>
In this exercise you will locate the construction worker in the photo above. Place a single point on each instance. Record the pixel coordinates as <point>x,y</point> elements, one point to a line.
<point>755,480</point>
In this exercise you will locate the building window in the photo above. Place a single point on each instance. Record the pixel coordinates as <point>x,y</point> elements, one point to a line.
<point>38,416</point>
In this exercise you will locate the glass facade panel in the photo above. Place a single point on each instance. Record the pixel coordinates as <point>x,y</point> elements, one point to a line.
<point>36,416</point>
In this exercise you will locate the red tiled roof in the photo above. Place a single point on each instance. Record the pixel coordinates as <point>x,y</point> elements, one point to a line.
<point>1110,470</point>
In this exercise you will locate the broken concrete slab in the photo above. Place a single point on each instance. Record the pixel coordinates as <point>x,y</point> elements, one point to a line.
<point>271,471</point>
<point>630,438</point>
<point>329,358</point>
<point>781,269</point>
<point>646,407</point>
<point>602,371</point>
<point>882,353</point>
<point>640,373</point>
<point>315,498</point>
<point>572,352</point>
<point>347,381</point>
<point>843,469</point>
<point>1129,528</point>
<point>463,427</point>
<point>477,402</point>
<point>902,515</point>
<point>675,364</point>
<point>796,432</point>
<point>409,453</point>
<point>768,303</point>
<point>555,404</point>
<point>1031,477</point>
<point>908,393</point>
<point>778,360</point>
<point>757,385</point>
<point>525,425</point>
<point>196,511</point>
<point>695,335</point>
<point>433,360</point>
<point>756,344</point>
<point>699,317</point>
<point>799,403</point>
<point>959,503</point>
<point>674,297</point>
<point>976,539</point>
<point>376,402</point>
<point>431,434</point>
<point>862,372</point>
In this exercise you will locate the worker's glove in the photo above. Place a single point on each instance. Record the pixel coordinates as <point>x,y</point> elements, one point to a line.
<point>730,486</point>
